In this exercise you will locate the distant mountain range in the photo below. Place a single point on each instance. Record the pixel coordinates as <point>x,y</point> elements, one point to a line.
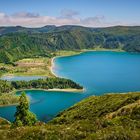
<point>53,28</point>
<point>14,29</point>
<point>20,42</point>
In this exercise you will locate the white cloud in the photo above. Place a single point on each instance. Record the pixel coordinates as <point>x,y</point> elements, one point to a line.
<point>68,17</point>
<point>68,13</point>
<point>26,15</point>
<point>2,15</point>
<point>96,21</point>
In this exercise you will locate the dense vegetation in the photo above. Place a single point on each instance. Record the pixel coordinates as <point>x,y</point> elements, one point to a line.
<point>5,86</point>
<point>18,42</point>
<point>48,83</point>
<point>7,96</point>
<point>107,117</point>
<point>23,117</point>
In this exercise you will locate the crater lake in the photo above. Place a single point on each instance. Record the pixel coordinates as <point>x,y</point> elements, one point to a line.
<point>99,72</point>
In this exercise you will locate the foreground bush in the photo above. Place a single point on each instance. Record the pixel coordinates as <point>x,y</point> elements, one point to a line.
<point>23,117</point>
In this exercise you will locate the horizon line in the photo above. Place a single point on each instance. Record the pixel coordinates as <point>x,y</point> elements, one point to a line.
<point>119,25</point>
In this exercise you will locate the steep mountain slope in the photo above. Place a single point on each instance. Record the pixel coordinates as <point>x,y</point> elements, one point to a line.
<point>43,41</point>
<point>107,117</point>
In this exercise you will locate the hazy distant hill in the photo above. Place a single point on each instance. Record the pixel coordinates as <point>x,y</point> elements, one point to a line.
<point>15,29</point>
<point>20,42</point>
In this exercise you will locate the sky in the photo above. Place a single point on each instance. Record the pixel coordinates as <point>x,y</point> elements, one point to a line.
<point>90,13</point>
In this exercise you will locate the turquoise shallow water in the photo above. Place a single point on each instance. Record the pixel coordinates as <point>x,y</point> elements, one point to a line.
<point>98,72</point>
<point>19,78</point>
<point>44,104</point>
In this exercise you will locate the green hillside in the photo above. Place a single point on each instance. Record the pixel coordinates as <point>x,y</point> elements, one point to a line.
<point>22,42</point>
<point>107,117</point>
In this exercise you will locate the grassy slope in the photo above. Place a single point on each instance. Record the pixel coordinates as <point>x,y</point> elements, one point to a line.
<point>39,66</point>
<point>4,124</point>
<point>29,66</point>
<point>107,117</point>
<point>33,66</point>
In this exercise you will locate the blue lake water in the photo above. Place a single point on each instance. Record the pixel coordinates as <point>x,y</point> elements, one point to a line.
<point>98,72</point>
<point>102,72</point>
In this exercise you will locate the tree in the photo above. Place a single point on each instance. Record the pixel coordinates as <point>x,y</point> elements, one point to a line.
<point>23,117</point>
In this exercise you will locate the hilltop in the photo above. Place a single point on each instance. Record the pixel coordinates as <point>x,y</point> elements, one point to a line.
<point>107,117</point>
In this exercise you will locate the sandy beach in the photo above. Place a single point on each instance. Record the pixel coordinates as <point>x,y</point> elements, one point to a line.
<point>66,90</point>
<point>52,66</point>
<point>56,89</point>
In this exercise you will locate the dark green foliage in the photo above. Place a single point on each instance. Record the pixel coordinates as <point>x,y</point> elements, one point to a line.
<point>136,113</point>
<point>23,117</point>
<point>44,41</point>
<point>48,83</point>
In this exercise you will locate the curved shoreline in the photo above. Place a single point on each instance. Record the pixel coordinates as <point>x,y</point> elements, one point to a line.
<point>52,65</point>
<point>61,54</point>
<point>68,90</point>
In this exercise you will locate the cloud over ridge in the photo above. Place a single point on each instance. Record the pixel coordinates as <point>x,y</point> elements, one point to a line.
<point>67,17</point>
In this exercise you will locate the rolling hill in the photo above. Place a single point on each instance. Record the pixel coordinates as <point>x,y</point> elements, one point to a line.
<point>107,117</point>
<point>20,42</point>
